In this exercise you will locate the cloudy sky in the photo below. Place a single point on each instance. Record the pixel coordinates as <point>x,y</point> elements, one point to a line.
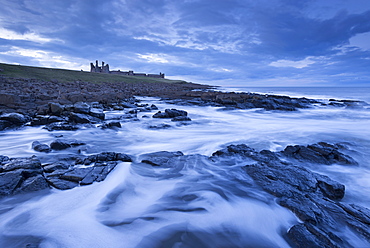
<point>218,42</point>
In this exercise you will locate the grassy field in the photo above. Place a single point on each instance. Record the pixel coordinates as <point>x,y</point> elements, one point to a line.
<point>62,75</point>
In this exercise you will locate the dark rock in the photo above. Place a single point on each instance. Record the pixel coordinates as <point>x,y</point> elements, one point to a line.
<point>98,173</point>
<point>32,184</point>
<point>61,144</point>
<point>55,108</point>
<point>331,189</point>
<point>127,105</point>
<point>170,113</point>
<point>44,120</point>
<point>79,118</point>
<point>57,126</point>
<point>61,184</point>
<point>37,146</point>
<point>76,174</point>
<point>322,153</point>
<point>81,107</point>
<point>48,168</point>
<point>14,118</point>
<point>160,126</point>
<point>9,181</point>
<point>181,118</point>
<point>112,124</point>
<point>5,124</point>
<point>159,158</point>
<point>98,113</point>
<point>32,163</point>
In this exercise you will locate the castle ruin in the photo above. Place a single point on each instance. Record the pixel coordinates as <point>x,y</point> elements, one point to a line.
<point>105,69</point>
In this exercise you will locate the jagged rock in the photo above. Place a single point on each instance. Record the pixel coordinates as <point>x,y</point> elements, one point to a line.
<point>37,146</point>
<point>61,144</point>
<point>9,182</point>
<point>159,158</point>
<point>181,118</point>
<point>44,120</point>
<point>98,173</point>
<point>82,108</point>
<point>61,126</point>
<point>48,168</point>
<point>61,184</point>
<point>127,105</point>
<point>112,124</point>
<point>105,157</point>
<point>32,184</point>
<point>98,113</point>
<point>76,174</point>
<point>14,118</point>
<point>79,118</point>
<point>322,153</point>
<point>160,126</point>
<point>4,124</point>
<point>170,113</point>
<point>32,163</point>
<point>55,108</point>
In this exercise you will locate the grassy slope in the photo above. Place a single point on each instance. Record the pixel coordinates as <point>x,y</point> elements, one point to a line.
<point>61,75</point>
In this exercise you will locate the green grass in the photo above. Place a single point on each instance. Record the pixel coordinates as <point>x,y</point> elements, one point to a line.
<point>62,75</point>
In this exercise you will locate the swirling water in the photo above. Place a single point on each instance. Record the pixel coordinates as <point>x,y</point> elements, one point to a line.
<point>195,205</point>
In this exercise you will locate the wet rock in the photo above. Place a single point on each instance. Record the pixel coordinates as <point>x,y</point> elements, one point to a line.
<point>32,163</point>
<point>81,107</point>
<point>56,108</point>
<point>170,113</point>
<point>160,126</point>
<point>4,124</point>
<point>98,173</point>
<point>61,184</point>
<point>112,124</point>
<point>79,118</point>
<point>159,158</point>
<point>98,113</point>
<point>57,126</point>
<point>181,118</point>
<point>44,120</point>
<point>48,168</point>
<point>107,156</point>
<point>32,184</point>
<point>321,153</point>
<point>76,174</point>
<point>14,118</point>
<point>9,182</point>
<point>37,146</point>
<point>127,105</point>
<point>61,144</point>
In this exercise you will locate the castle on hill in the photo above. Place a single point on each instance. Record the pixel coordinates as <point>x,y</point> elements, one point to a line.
<point>104,68</point>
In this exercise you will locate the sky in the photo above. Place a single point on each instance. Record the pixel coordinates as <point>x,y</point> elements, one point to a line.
<point>218,42</point>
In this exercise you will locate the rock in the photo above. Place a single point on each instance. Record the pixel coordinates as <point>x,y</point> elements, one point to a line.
<point>37,146</point>
<point>61,184</point>
<point>44,120</point>
<point>79,118</point>
<point>98,173</point>
<point>98,113</point>
<point>181,118</point>
<point>127,105</point>
<point>76,174</point>
<point>160,126</point>
<point>48,168</point>
<point>32,184</point>
<point>105,157</point>
<point>14,118</point>
<point>8,99</point>
<point>170,113</point>
<point>5,124</point>
<point>81,107</point>
<point>322,153</point>
<point>61,144</point>
<point>55,108</point>
<point>57,126</point>
<point>32,163</point>
<point>331,189</point>
<point>9,182</point>
<point>112,124</point>
<point>159,158</point>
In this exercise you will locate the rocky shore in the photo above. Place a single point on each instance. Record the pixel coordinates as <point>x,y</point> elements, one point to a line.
<point>315,199</point>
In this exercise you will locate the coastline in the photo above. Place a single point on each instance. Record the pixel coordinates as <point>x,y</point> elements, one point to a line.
<point>69,107</point>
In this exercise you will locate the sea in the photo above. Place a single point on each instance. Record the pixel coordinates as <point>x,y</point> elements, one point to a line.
<point>138,206</point>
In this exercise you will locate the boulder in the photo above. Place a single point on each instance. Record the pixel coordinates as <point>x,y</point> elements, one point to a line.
<point>98,113</point>
<point>159,158</point>
<point>181,118</point>
<point>14,118</point>
<point>37,146</point>
<point>82,108</point>
<point>5,124</point>
<point>61,144</point>
<point>79,118</point>
<point>112,124</point>
<point>56,108</point>
<point>57,126</point>
<point>170,113</point>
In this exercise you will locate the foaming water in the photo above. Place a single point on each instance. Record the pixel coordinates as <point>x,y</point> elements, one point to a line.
<point>195,202</point>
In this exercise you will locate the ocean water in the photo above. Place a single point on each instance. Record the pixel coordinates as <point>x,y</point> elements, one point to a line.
<point>204,205</point>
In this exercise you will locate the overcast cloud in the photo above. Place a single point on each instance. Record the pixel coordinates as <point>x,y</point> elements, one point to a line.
<point>219,42</point>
